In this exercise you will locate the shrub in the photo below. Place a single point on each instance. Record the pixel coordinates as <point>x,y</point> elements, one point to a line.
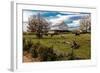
<point>43,53</point>
<point>27,44</point>
<point>34,52</point>
<point>75,45</point>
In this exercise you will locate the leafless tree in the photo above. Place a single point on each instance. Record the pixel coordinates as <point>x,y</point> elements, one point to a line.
<point>38,24</point>
<point>85,24</point>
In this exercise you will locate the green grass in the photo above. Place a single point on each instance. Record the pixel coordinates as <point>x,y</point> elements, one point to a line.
<point>56,41</point>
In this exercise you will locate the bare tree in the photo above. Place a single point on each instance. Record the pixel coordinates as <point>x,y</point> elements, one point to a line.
<point>85,24</point>
<point>39,25</point>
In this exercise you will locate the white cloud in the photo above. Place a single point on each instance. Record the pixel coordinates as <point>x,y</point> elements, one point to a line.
<point>61,18</point>
<point>27,14</point>
<point>58,20</point>
<point>74,23</point>
<point>54,20</point>
<point>59,15</point>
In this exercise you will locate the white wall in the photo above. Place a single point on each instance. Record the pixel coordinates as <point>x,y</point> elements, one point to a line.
<point>5,35</point>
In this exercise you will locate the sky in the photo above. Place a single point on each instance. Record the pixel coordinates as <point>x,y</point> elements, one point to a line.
<point>71,19</point>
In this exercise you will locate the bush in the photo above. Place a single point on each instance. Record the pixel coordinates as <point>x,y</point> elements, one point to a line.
<point>46,53</point>
<point>27,44</point>
<point>43,53</point>
<point>34,50</point>
<point>40,51</point>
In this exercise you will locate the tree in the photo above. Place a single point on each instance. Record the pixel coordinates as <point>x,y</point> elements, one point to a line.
<point>85,24</point>
<point>39,25</point>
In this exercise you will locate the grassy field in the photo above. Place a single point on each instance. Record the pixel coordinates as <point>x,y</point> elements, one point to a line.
<point>63,44</point>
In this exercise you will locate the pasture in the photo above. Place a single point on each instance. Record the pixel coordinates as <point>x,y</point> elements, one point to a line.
<point>62,44</point>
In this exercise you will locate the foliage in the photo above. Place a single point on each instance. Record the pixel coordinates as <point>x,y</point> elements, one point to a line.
<point>43,53</point>
<point>27,44</point>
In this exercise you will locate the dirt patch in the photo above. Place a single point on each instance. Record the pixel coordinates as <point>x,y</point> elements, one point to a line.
<point>27,57</point>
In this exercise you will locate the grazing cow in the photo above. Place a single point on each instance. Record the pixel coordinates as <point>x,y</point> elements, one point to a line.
<point>77,33</point>
<point>63,36</point>
<point>46,34</point>
<point>52,35</point>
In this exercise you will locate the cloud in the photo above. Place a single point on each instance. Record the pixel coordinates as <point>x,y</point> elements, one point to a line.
<point>27,14</point>
<point>78,16</point>
<point>55,18</point>
<point>69,13</point>
<point>58,20</point>
<point>75,23</point>
<point>48,13</point>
